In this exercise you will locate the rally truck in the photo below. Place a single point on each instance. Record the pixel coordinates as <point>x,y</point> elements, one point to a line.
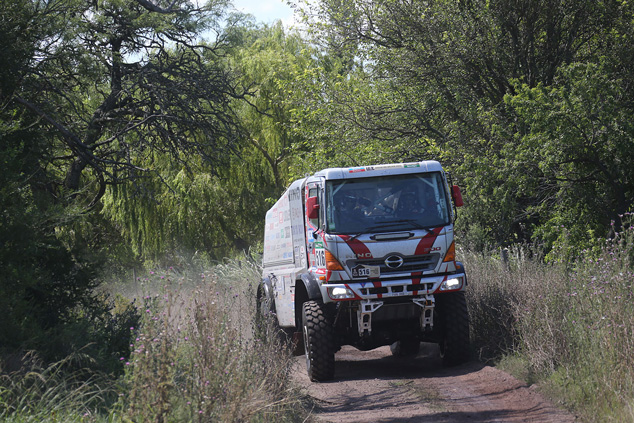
<point>365,256</point>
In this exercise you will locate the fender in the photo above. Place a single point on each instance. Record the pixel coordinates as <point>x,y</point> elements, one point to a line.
<point>312,286</point>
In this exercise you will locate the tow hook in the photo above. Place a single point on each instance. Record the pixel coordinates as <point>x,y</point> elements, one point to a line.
<point>364,315</point>
<point>427,316</point>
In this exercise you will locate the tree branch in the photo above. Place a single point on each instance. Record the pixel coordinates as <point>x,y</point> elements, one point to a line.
<point>72,140</point>
<point>154,8</point>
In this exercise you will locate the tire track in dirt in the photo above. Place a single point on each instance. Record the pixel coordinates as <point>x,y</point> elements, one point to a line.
<point>373,386</point>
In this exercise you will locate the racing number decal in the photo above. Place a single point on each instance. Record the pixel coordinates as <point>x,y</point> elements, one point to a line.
<point>320,258</point>
<point>363,271</point>
<point>320,254</point>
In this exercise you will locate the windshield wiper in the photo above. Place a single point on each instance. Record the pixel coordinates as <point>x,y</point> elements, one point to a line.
<point>410,221</point>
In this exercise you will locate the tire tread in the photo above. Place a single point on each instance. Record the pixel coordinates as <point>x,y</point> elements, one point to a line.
<point>321,345</point>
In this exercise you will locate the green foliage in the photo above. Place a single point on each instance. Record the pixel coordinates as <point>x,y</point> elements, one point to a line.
<point>198,210</point>
<point>110,82</point>
<point>269,60</point>
<point>177,214</point>
<point>43,283</point>
<point>578,140</point>
<point>47,282</point>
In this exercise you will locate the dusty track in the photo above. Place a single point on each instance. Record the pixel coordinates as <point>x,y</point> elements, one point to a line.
<point>373,386</point>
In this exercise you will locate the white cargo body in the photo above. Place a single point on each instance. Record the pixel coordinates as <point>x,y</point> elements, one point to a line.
<point>365,256</point>
<point>285,249</point>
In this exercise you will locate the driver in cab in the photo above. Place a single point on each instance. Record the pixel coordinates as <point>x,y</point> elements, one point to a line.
<point>408,207</point>
<point>349,213</point>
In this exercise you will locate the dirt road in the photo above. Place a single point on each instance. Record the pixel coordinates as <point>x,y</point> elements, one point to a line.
<point>373,386</point>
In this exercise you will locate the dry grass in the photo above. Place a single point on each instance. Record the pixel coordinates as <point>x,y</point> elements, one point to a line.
<point>51,394</point>
<point>572,326</point>
<point>197,356</point>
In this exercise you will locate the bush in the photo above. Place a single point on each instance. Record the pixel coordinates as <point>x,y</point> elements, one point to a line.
<point>50,306</point>
<point>571,324</point>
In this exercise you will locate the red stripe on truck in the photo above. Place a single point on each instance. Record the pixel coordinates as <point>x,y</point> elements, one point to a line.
<point>358,248</point>
<point>361,251</point>
<point>425,244</point>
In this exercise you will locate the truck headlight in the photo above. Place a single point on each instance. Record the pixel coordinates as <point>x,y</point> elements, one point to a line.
<point>340,293</point>
<point>451,284</point>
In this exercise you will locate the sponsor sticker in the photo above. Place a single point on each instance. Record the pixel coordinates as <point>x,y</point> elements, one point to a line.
<point>388,166</point>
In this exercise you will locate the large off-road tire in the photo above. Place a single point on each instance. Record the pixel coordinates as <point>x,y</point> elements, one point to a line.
<point>319,342</point>
<point>405,348</point>
<point>454,324</point>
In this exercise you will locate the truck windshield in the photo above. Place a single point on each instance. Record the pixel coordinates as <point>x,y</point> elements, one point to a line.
<point>386,203</point>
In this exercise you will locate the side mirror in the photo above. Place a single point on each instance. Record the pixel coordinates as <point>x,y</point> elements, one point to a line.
<point>312,208</point>
<point>457,196</point>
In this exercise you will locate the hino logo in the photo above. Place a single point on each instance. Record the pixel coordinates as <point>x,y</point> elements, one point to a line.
<point>394,262</point>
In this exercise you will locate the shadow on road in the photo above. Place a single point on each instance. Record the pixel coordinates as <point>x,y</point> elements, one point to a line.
<point>352,364</point>
<point>375,387</point>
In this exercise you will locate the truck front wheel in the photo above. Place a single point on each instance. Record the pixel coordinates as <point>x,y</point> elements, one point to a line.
<point>454,322</point>
<point>319,342</point>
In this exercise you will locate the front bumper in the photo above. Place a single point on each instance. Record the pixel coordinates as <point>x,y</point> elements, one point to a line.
<point>393,288</point>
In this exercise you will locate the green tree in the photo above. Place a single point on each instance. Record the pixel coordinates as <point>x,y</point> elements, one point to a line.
<point>436,78</point>
<point>94,94</point>
<point>578,139</point>
<point>216,214</point>
<point>113,80</point>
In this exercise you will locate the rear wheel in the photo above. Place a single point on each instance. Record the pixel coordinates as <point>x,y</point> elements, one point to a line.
<point>263,309</point>
<point>266,322</point>
<point>454,322</point>
<point>319,342</point>
<point>405,348</point>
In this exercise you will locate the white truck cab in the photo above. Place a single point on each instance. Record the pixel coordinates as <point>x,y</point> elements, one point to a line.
<point>365,256</point>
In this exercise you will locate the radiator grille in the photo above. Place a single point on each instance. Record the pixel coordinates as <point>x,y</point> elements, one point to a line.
<point>410,264</point>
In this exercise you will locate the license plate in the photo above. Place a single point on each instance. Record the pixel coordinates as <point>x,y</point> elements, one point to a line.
<point>363,271</point>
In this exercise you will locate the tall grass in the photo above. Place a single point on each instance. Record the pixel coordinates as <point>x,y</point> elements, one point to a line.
<point>572,325</point>
<point>51,394</point>
<point>197,356</point>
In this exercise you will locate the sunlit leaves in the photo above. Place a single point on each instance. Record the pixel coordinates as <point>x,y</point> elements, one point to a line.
<point>580,137</point>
